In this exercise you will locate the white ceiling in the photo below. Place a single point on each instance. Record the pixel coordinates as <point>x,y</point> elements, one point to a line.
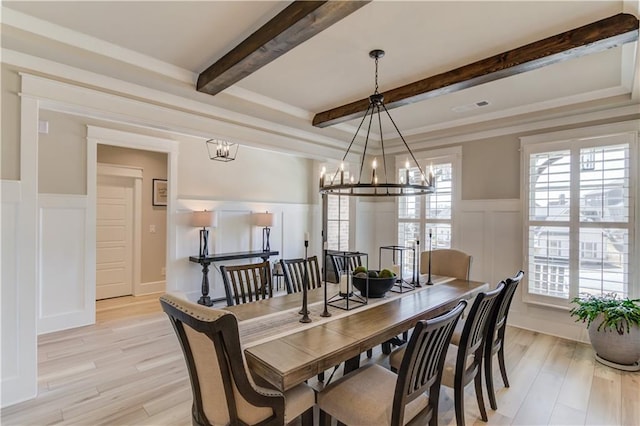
<point>165,45</point>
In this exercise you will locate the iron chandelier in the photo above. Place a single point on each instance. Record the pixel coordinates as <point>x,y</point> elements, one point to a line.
<point>336,184</point>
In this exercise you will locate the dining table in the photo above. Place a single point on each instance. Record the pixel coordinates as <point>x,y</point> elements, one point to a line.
<point>285,352</point>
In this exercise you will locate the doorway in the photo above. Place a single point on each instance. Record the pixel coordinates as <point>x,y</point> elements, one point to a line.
<point>117,231</point>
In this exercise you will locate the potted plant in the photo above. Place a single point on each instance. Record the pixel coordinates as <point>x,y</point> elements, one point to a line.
<point>614,328</point>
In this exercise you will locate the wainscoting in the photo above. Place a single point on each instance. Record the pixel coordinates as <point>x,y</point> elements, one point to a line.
<point>64,298</point>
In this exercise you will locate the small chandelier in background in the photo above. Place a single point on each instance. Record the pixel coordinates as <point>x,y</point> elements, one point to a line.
<point>221,150</point>
<point>336,184</point>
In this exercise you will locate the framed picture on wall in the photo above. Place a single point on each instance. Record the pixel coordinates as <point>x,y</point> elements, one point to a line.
<point>159,192</point>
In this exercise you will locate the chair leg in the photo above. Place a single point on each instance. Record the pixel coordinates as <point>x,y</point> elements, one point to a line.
<point>321,377</point>
<point>325,419</point>
<point>479,397</point>
<point>458,402</point>
<point>434,401</point>
<point>488,378</point>
<point>369,353</point>
<point>386,348</point>
<point>503,368</point>
<point>307,417</point>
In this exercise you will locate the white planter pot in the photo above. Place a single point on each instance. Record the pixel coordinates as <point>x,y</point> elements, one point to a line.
<point>622,349</point>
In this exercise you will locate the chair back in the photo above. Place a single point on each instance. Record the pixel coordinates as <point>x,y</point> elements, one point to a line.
<point>247,283</point>
<point>294,273</point>
<point>223,393</point>
<point>337,264</point>
<point>423,362</point>
<point>447,263</point>
<point>474,331</point>
<point>499,321</point>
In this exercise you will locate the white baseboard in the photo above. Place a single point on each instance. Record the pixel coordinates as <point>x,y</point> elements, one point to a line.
<point>575,332</point>
<point>151,287</point>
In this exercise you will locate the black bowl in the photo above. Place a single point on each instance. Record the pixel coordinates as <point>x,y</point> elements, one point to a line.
<point>377,286</point>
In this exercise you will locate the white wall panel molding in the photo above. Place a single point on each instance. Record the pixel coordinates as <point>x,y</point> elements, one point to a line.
<point>19,268</point>
<point>10,312</point>
<point>236,232</point>
<point>64,301</point>
<point>490,232</point>
<point>11,191</point>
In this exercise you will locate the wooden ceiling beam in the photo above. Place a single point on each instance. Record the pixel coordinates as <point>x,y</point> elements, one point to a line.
<point>297,23</point>
<point>591,38</point>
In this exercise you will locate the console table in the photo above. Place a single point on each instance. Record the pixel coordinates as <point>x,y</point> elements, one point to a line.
<point>205,261</point>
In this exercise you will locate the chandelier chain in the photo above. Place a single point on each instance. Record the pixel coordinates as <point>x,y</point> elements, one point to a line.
<point>376,89</point>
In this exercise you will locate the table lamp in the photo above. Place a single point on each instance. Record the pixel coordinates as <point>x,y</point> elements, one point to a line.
<point>203,219</point>
<point>265,220</point>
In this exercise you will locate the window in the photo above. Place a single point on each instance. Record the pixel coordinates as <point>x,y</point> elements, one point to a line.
<point>579,217</point>
<point>337,222</point>
<point>337,217</point>
<point>423,215</point>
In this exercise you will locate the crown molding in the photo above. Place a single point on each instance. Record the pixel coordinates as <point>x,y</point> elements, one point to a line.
<point>82,41</point>
<point>115,87</point>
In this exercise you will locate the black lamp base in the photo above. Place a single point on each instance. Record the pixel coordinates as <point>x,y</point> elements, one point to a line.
<point>266,231</point>
<point>204,242</point>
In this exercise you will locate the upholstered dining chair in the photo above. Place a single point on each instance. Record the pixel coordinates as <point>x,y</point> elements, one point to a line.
<point>372,395</point>
<point>294,274</point>
<point>447,262</point>
<point>463,363</point>
<point>247,283</point>
<point>223,392</point>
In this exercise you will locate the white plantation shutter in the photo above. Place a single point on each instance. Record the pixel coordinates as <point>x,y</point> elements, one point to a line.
<point>338,221</point>
<point>579,217</point>
<point>417,215</point>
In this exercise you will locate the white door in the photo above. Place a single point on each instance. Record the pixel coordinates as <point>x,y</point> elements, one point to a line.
<point>114,237</point>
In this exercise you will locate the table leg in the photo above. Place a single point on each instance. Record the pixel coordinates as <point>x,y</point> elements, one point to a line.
<point>352,364</point>
<point>205,299</point>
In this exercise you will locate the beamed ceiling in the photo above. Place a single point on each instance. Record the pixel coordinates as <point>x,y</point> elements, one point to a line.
<point>304,66</point>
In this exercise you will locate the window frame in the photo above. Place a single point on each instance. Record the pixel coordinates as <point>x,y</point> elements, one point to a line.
<point>425,158</point>
<point>331,168</point>
<point>575,140</point>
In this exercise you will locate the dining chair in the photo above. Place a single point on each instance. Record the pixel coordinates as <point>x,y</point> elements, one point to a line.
<point>294,274</point>
<point>444,262</point>
<point>463,362</point>
<point>447,263</point>
<point>247,283</point>
<point>223,392</point>
<point>495,337</point>
<point>336,264</point>
<point>373,395</point>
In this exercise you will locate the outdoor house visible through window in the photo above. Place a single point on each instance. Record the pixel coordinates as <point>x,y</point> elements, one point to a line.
<point>579,219</point>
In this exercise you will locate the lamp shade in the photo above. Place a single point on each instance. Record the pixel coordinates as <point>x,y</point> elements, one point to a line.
<point>203,219</point>
<point>264,220</point>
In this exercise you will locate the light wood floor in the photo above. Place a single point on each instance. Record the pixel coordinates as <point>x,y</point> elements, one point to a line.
<point>128,369</point>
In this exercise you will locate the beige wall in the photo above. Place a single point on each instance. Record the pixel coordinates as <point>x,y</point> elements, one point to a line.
<point>62,155</point>
<point>255,175</point>
<point>10,124</point>
<point>154,166</point>
<point>490,169</point>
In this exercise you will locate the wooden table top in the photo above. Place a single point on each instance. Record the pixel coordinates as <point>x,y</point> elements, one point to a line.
<point>288,359</point>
